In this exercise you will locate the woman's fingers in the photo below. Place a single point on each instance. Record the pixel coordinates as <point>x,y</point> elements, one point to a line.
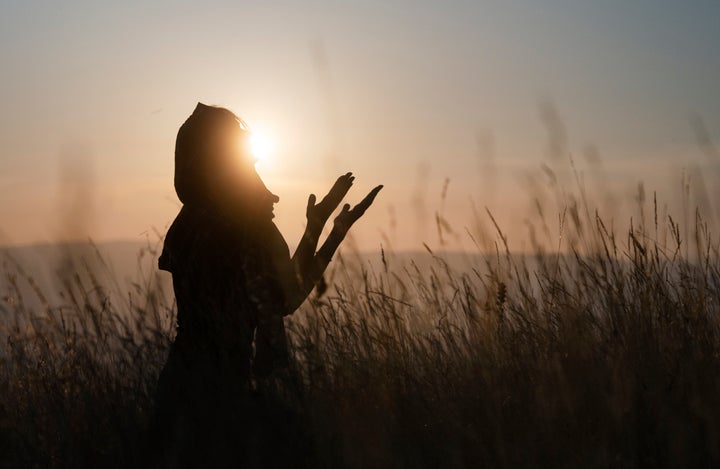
<point>348,215</point>
<point>373,193</point>
<point>367,201</point>
<point>333,198</point>
<point>339,189</point>
<point>309,211</point>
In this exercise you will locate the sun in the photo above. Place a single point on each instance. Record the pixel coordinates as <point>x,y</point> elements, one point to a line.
<point>261,147</point>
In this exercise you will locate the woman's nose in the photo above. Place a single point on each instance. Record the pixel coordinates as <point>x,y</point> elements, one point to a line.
<point>274,198</point>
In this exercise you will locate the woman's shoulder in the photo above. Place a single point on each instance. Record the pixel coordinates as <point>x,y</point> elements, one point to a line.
<point>200,235</point>
<point>192,232</point>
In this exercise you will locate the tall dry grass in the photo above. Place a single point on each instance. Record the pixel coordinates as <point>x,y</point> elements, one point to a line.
<point>604,351</point>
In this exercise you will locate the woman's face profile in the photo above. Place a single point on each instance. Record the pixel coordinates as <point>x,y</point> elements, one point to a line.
<point>235,176</point>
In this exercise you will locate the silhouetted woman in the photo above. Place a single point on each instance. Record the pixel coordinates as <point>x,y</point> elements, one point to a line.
<point>234,281</point>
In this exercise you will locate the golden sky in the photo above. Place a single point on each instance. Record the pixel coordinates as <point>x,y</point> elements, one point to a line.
<point>405,94</point>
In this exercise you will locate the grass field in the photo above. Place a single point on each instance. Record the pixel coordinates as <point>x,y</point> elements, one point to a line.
<point>600,348</point>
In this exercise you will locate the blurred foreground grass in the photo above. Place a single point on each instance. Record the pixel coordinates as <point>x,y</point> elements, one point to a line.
<point>604,352</point>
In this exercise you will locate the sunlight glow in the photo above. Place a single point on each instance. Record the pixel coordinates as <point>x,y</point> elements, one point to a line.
<point>261,147</point>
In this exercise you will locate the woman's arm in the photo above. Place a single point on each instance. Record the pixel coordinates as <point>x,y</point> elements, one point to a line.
<point>345,219</point>
<point>312,272</point>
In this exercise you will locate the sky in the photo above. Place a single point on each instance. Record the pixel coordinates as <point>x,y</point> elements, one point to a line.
<point>407,94</point>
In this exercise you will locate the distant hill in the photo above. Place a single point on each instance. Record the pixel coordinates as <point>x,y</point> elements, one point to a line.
<point>118,264</point>
<point>47,266</point>
<point>122,258</point>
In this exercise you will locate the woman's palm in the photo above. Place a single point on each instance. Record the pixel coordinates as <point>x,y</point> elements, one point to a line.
<point>321,211</point>
<point>348,216</point>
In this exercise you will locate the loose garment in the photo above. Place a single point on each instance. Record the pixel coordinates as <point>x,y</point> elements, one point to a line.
<point>230,278</point>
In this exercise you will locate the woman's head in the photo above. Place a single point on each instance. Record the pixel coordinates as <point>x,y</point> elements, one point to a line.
<point>213,163</point>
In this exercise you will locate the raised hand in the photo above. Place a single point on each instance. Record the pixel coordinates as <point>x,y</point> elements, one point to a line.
<point>312,264</point>
<point>319,213</point>
<point>348,216</point>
